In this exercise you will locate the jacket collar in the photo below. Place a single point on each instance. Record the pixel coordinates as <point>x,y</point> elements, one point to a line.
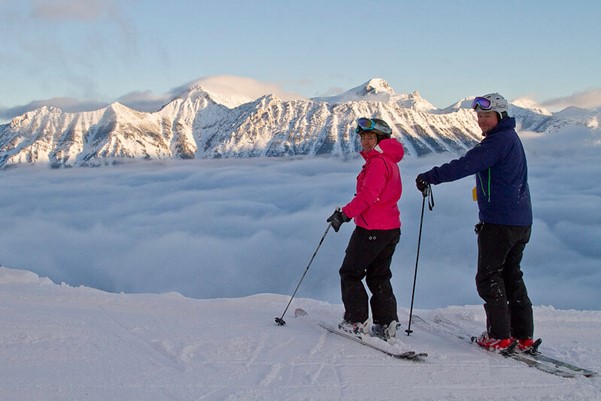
<point>390,148</point>
<point>505,124</point>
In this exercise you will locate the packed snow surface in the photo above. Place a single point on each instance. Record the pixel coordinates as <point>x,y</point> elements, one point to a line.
<point>64,343</point>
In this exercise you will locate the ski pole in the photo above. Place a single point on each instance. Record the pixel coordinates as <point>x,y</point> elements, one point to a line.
<point>426,193</point>
<point>280,320</point>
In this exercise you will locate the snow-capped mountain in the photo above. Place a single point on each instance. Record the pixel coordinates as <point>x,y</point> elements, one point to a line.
<point>203,123</point>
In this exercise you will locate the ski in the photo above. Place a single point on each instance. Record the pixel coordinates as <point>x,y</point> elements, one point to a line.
<point>411,355</point>
<point>384,348</point>
<point>536,354</point>
<point>536,359</point>
<point>545,358</point>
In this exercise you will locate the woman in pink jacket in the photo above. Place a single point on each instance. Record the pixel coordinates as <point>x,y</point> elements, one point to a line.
<point>378,229</point>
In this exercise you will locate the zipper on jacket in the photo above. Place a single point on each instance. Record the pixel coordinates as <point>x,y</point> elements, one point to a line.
<point>486,191</point>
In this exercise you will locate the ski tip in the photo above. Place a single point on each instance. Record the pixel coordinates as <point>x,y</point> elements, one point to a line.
<point>298,312</point>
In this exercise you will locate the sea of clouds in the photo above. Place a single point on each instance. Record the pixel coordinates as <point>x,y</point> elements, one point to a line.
<point>235,227</point>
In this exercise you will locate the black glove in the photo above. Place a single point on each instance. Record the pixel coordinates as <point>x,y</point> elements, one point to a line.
<point>421,182</point>
<point>337,218</point>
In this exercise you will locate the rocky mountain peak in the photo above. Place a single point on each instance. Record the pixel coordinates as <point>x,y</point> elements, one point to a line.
<point>206,122</point>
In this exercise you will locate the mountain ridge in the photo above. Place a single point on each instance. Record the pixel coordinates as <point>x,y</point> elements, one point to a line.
<point>202,123</point>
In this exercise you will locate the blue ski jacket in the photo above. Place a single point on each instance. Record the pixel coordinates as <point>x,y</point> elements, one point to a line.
<point>501,170</point>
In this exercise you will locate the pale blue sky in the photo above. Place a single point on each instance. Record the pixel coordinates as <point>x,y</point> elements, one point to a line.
<point>100,51</point>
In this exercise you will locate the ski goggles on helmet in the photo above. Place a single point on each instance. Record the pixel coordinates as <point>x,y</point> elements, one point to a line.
<point>367,124</point>
<point>482,102</point>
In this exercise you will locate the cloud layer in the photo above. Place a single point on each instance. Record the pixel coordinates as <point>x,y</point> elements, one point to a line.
<point>225,228</point>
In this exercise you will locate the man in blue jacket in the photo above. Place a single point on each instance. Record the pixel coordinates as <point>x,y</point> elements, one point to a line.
<point>505,213</point>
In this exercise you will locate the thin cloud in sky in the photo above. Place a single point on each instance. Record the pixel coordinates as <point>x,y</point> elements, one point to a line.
<point>66,104</point>
<point>63,47</point>
<point>589,99</point>
<point>144,101</point>
<point>147,101</point>
<point>73,10</point>
<point>235,86</point>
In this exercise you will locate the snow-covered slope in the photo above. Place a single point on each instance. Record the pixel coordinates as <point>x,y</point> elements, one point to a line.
<point>206,123</point>
<point>63,343</point>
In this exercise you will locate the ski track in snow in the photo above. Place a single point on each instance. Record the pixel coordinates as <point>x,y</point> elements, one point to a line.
<point>63,343</point>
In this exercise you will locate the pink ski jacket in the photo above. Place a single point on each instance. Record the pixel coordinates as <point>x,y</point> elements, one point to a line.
<point>379,188</point>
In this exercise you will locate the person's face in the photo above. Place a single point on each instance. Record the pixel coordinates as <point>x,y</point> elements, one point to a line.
<point>369,140</point>
<point>487,120</point>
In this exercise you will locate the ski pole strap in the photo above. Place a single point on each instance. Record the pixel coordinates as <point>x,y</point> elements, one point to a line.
<point>427,193</point>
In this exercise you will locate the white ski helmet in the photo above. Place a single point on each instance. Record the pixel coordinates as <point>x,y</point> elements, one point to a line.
<point>491,102</point>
